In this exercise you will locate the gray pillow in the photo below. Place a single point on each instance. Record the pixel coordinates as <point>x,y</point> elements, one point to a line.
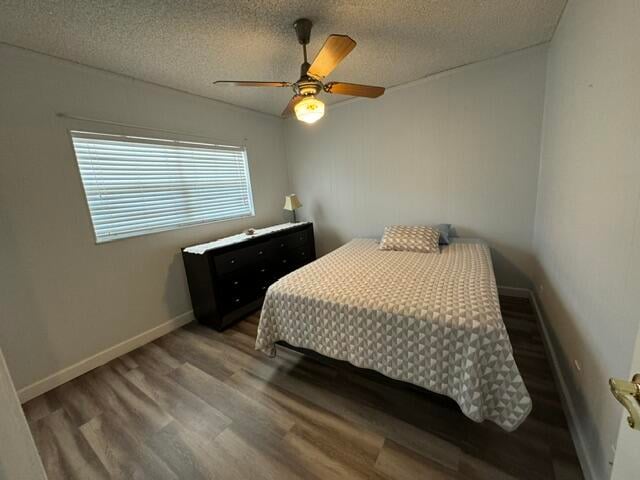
<point>445,233</point>
<point>406,238</point>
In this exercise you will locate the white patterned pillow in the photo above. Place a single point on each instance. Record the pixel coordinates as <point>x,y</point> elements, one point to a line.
<point>410,239</point>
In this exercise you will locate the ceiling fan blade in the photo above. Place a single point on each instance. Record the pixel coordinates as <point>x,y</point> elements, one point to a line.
<point>335,48</point>
<point>237,83</point>
<point>288,110</point>
<point>354,89</point>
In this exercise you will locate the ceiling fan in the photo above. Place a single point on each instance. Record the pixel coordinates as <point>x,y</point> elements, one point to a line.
<point>304,103</point>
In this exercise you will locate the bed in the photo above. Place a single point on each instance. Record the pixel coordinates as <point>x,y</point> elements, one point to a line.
<point>432,320</point>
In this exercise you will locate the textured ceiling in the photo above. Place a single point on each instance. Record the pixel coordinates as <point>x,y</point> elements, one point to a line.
<point>188,44</point>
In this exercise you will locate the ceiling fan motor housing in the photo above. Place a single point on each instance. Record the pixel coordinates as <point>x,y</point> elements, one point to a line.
<point>308,86</point>
<point>303,30</point>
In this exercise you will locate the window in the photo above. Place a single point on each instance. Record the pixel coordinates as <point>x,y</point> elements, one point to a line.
<point>137,185</point>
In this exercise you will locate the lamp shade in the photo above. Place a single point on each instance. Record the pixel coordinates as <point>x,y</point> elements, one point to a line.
<point>291,202</point>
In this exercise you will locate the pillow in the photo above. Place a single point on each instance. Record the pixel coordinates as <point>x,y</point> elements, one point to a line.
<point>410,239</point>
<point>445,233</point>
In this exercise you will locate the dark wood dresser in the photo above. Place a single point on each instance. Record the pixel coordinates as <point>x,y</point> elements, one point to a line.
<point>230,277</point>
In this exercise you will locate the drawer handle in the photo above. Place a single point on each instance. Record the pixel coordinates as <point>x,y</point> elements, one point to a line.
<point>236,300</point>
<point>235,282</point>
<point>264,287</point>
<point>284,261</point>
<point>260,252</point>
<point>282,245</point>
<point>233,260</point>
<point>262,270</point>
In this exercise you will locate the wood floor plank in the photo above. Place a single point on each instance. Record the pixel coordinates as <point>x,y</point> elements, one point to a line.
<point>120,398</point>
<point>248,328</point>
<point>358,406</point>
<point>399,463</point>
<point>199,354</point>
<point>40,407</point>
<point>77,400</point>
<point>323,462</point>
<point>123,455</point>
<point>232,403</point>
<point>232,357</point>
<point>119,366</point>
<point>472,468</point>
<point>123,363</point>
<point>521,456</point>
<point>189,455</point>
<point>566,467</point>
<point>182,405</point>
<point>231,455</point>
<point>65,453</point>
<point>253,461</point>
<point>155,358</point>
<point>319,425</point>
<point>317,433</point>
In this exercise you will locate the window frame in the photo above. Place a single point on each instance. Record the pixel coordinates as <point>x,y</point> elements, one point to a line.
<point>178,139</point>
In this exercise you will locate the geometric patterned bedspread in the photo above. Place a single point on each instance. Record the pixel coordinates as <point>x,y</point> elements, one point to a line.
<point>429,319</point>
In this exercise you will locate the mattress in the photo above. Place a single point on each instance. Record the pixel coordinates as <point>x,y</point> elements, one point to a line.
<point>432,320</point>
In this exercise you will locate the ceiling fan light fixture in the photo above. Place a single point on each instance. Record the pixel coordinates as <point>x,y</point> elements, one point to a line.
<point>309,109</point>
<point>304,103</point>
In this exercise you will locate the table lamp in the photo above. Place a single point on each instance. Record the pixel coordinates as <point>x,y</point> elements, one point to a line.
<point>291,202</point>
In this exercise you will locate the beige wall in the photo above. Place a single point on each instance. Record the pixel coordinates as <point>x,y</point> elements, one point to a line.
<point>587,229</point>
<point>460,147</point>
<point>64,298</point>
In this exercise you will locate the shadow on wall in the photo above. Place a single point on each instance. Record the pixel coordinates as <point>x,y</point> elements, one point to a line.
<point>590,402</point>
<point>175,299</point>
<point>508,273</point>
<point>327,237</point>
<point>17,288</point>
<point>287,216</point>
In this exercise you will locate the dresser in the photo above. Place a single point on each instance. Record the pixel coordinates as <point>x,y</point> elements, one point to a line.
<point>229,277</point>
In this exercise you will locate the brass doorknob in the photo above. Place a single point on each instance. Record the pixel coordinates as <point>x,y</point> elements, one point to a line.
<point>628,394</point>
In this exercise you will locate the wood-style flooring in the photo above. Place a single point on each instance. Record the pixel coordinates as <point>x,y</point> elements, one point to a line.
<point>198,404</point>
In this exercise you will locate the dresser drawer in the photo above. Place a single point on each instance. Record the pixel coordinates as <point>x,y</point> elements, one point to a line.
<point>244,279</point>
<point>244,292</point>
<point>264,271</point>
<point>242,257</point>
<point>228,262</point>
<point>292,258</point>
<point>229,303</point>
<point>234,285</point>
<point>263,285</point>
<point>301,255</point>
<point>291,240</point>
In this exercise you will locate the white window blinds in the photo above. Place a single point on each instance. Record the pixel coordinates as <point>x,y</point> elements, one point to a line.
<point>138,185</point>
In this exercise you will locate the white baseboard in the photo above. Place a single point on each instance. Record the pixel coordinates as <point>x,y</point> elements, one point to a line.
<point>565,397</point>
<point>83,366</point>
